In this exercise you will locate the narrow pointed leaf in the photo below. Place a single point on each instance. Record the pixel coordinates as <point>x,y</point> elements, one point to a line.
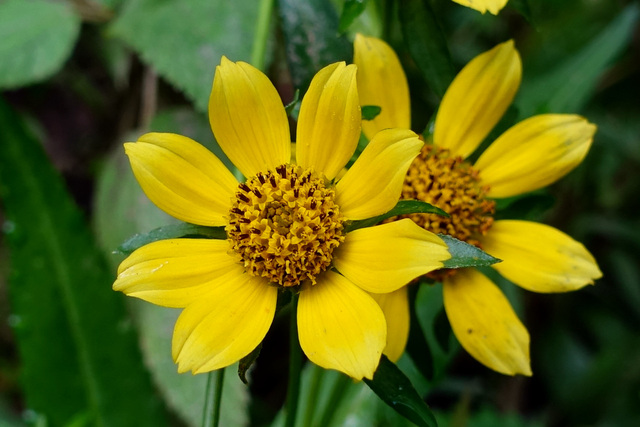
<point>466,255</point>
<point>567,88</point>
<point>523,7</point>
<point>247,362</point>
<point>350,11</point>
<point>171,231</point>
<point>427,44</point>
<point>79,354</point>
<point>396,390</point>
<point>296,99</point>
<point>310,30</point>
<point>404,207</point>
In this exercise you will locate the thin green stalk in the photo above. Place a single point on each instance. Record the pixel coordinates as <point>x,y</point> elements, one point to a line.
<point>207,400</point>
<point>262,32</point>
<point>218,397</point>
<point>337,393</point>
<point>212,399</point>
<point>295,367</point>
<point>317,375</point>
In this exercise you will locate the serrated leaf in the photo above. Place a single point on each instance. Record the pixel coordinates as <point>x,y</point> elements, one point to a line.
<point>350,11</point>
<point>171,231</point>
<point>567,88</point>
<point>404,207</point>
<point>36,38</point>
<point>427,44</point>
<point>466,255</point>
<point>396,390</point>
<point>184,40</point>
<point>310,30</point>
<point>370,112</point>
<point>79,355</point>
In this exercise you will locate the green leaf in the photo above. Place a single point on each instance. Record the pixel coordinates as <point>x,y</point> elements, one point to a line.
<point>296,99</point>
<point>184,393</point>
<point>184,40</point>
<point>310,30</point>
<point>427,44</point>
<point>79,355</point>
<point>370,112</point>
<point>350,11</point>
<point>466,255</point>
<point>172,231</point>
<point>417,344</point>
<point>530,206</point>
<point>246,362</point>
<point>404,207</point>
<point>568,87</point>
<point>36,38</point>
<point>523,7</point>
<point>396,390</point>
<point>429,309</point>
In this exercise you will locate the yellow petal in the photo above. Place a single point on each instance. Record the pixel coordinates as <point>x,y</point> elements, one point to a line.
<point>372,186</point>
<point>248,119</point>
<point>381,82</point>
<point>395,306</point>
<point>176,272</point>
<point>534,153</point>
<point>386,257</point>
<point>493,6</point>
<point>540,258</point>
<point>477,99</point>
<point>341,327</point>
<point>329,120</point>
<point>485,324</point>
<point>182,178</point>
<point>224,325</point>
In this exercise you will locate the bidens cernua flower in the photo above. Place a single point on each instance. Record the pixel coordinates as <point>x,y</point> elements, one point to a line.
<point>530,155</point>
<point>285,225</point>
<point>493,6</point>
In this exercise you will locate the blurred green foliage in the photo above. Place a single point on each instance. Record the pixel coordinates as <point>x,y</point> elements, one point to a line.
<point>80,77</point>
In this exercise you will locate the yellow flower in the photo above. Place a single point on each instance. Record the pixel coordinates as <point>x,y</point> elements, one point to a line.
<point>285,225</point>
<point>530,155</point>
<point>493,6</point>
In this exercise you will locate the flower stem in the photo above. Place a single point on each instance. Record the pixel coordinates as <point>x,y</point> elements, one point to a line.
<point>262,32</point>
<point>295,367</point>
<point>317,375</point>
<point>337,393</point>
<point>213,398</point>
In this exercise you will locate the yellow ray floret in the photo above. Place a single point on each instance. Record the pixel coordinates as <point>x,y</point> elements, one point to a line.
<point>485,324</point>
<point>493,6</point>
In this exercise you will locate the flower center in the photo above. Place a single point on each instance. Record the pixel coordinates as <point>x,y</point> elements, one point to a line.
<point>454,186</point>
<point>284,225</point>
